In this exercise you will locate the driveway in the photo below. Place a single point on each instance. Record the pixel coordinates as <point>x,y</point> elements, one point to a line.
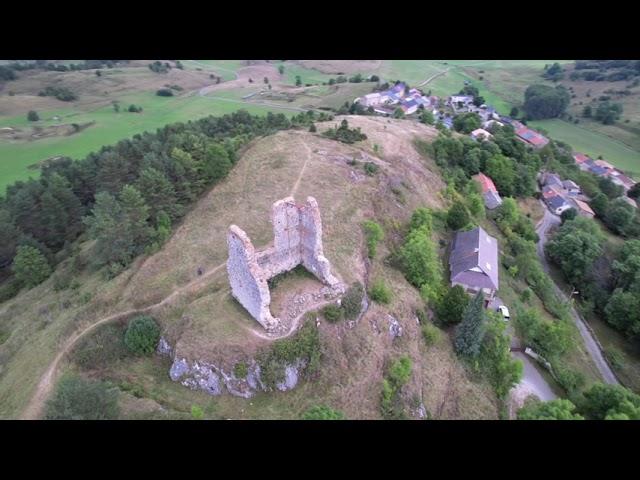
<point>548,221</point>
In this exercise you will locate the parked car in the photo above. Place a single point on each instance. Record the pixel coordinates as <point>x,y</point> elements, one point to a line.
<point>504,311</point>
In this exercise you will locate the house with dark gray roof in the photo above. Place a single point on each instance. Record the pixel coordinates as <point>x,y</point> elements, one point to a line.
<point>474,262</point>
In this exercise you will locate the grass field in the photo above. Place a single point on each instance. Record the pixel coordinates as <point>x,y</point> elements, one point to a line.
<point>307,75</point>
<point>109,128</point>
<point>593,144</point>
<point>223,68</point>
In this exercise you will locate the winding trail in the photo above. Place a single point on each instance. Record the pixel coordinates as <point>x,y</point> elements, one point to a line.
<point>304,166</point>
<point>36,403</point>
<point>35,406</point>
<point>590,342</point>
<point>434,76</point>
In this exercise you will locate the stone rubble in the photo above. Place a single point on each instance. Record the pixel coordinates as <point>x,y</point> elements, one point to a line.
<point>164,348</point>
<point>395,329</point>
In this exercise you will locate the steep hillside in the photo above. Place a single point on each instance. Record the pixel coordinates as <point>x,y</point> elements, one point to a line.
<point>202,322</point>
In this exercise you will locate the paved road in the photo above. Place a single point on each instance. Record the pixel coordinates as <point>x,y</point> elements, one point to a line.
<point>532,380</point>
<point>590,343</point>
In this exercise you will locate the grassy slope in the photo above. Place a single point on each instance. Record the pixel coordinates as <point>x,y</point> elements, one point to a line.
<point>353,359</point>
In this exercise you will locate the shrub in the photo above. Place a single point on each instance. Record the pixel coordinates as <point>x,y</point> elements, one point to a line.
<point>452,305</point>
<point>420,262</point>
<point>371,168</point>
<point>78,399</point>
<point>374,234</point>
<point>101,348</point>
<point>352,301</point>
<point>240,370</point>
<point>61,93</point>
<point>196,412</point>
<point>397,376</point>
<point>322,412</point>
<point>165,92</point>
<point>142,335</point>
<point>303,346</point>
<point>33,116</point>
<point>61,281</point>
<point>379,292</point>
<point>332,313</point>
<point>457,216</point>
<point>430,334</point>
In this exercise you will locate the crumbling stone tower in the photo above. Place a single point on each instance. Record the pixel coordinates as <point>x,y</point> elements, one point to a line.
<point>297,241</point>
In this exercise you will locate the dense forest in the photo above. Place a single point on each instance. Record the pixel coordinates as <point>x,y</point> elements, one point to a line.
<point>125,196</point>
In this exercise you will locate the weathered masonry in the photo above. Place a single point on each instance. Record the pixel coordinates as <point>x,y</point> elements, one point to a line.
<point>297,240</point>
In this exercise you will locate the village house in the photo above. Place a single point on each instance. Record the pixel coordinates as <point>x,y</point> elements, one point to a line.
<point>580,158</point>
<point>571,187</point>
<point>460,101</point>
<point>583,208</point>
<point>531,138</point>
<point>551,179</point>
<point>489,123</point>
<point>409,107</point>
<point>557,204</point>
<point>621,179</point>
<point>480,134</point>
<point>555,191</point>
<point>602,168</point>
<point>474,262</point>
<point>409,100</point>
<point>489,192</point>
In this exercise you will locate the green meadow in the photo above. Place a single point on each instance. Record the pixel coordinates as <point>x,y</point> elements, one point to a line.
<point>109,128</point>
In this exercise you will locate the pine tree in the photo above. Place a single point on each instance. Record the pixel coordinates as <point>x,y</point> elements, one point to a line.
<point>470,333</point>
<point>136,214</point>
<point>30,266</point>
<point>61,212</point>
<point>105,226</point>
<point>9,235</point>
<point>119,226</point>
<point>216,163</point>
<point>158,193</point>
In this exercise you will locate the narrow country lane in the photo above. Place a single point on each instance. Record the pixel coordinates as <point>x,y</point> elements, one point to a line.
<point>549,220</point>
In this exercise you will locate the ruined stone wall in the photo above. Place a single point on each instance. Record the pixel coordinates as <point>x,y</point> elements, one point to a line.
<point>297,240</point>
<point>248,283</point>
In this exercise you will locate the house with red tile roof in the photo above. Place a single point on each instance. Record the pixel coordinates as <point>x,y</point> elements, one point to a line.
<point>580,158</point>
<point>489,191</point>
<point>583,208</point>
<point>531,137</point>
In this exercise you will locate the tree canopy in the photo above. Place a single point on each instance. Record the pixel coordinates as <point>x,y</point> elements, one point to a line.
<point>543,101</point>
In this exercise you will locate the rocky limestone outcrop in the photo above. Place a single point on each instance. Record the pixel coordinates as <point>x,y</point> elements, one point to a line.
<point>214,380</point>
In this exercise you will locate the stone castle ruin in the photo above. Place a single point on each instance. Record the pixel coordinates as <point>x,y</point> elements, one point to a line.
<point>297,241</point>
